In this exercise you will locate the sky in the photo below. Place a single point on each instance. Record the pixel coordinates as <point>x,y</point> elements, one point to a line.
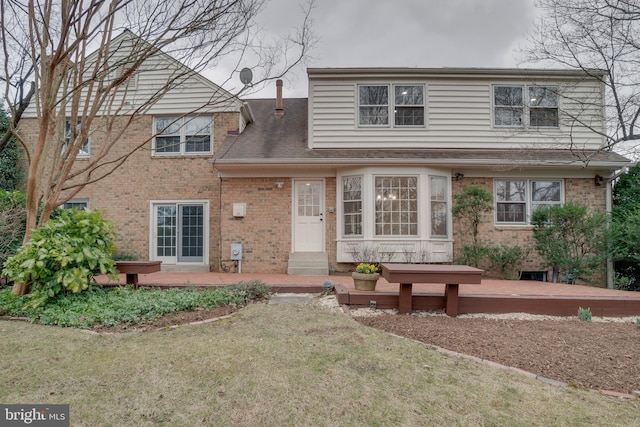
<point>403,33</point>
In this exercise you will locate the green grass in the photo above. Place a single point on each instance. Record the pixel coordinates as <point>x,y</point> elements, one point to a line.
<point>114,306</point>
<point>283,365</point>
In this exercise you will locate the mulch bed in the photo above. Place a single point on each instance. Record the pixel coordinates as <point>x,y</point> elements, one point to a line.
<point>601,356</point>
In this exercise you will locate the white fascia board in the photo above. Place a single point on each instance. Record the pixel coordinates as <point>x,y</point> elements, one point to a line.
<point>408,162</point>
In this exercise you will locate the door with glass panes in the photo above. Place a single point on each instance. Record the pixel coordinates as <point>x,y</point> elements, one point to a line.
<point>308,216</point>
<point>179,232</point>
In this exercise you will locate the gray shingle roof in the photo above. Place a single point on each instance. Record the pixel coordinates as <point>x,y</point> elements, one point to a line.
<point>273,141</point>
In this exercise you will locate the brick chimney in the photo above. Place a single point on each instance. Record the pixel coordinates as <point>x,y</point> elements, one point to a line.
<point>279,104</point>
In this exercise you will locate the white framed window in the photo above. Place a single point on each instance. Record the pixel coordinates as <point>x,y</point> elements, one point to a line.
<point>516,199</point>
<point>543,106</point>
<point>79,204</point>
<point>525,106</point>
<point>409,105</point>
<point>352,205</point>
<point>396,206</point>
<point>186,135</point>
<point>403,105</point>
<point>439,188</point>
<point>72,132</point>
<point>373,105</point>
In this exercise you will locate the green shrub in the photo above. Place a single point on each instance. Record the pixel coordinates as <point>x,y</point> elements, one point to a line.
<point>469,208</point>
<point>13,215</point>
<point>473,255</point>
<point>507,259</point>
<point>63,255</point>
<point>584,314</point>
<point>122,305</point>
<point>571,240</point>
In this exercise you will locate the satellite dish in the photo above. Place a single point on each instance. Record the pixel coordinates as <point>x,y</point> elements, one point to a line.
<point>246,76</point>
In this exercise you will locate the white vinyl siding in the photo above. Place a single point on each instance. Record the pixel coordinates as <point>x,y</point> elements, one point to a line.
<point>458,114</point>
<point>187,92</point>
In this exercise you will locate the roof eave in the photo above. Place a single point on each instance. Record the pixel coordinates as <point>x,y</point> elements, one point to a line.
<point>593,164</point>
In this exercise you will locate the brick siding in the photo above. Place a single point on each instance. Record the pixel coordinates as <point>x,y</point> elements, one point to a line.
<point>124,195</point>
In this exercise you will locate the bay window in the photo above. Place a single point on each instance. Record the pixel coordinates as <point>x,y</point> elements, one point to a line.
<point>394,214</point>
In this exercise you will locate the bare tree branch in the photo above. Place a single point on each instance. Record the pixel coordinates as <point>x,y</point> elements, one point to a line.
<point>599,37</point>
<point>71,64</point>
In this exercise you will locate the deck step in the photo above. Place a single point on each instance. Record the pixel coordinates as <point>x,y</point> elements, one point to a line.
<point>308,264</point>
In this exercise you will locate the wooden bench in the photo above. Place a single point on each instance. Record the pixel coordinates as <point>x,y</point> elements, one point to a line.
<point>451,275</point>
<point>133,268</point>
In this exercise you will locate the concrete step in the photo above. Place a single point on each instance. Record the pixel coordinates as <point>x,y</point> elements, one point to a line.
<point>308,264</point>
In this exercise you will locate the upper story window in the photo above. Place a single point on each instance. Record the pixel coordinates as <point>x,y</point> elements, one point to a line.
<point>376,106</point>
<point>71,133</point>
<point>186,135</point>
<point>525,106</point>
<point>517,199</point>
<point>409,106</point>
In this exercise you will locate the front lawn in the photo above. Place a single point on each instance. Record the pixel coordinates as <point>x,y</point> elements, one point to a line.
<point>272,364</point>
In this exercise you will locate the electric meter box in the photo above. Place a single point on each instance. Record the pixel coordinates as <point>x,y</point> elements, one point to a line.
<point>236,251</point>
<point>239,210</point>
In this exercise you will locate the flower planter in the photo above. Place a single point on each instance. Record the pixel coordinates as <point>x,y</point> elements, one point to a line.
<point>365,282</point>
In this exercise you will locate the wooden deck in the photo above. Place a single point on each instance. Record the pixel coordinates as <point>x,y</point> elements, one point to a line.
<point>491,296</point>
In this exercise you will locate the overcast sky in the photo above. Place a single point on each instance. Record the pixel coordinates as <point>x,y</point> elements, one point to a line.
<point>404,33</point>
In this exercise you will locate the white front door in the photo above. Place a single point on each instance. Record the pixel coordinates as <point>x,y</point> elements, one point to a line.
<point>308,216</point>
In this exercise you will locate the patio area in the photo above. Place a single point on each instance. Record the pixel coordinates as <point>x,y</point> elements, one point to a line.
<point>492,296</point>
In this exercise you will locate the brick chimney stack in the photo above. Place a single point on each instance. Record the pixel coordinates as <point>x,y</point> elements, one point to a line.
<point>279,104</point>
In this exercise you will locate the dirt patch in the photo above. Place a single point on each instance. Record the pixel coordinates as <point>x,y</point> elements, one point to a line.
<point>173,319</point>
<point>601,356</point>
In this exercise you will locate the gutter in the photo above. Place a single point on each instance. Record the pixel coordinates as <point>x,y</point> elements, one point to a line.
<point>332,161</point>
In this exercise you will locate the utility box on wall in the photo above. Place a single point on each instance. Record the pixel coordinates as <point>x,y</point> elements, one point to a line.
<point>239,210</point>
<point>236,251</point>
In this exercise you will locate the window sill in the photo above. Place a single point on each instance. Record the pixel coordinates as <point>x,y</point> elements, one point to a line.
<point>180,156</point>
<point>513,226</point>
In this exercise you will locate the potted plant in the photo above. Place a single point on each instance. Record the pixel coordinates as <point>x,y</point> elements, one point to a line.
<point>365,277</point>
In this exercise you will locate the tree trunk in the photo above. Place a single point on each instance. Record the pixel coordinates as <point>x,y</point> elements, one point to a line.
<point>20,289</point>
